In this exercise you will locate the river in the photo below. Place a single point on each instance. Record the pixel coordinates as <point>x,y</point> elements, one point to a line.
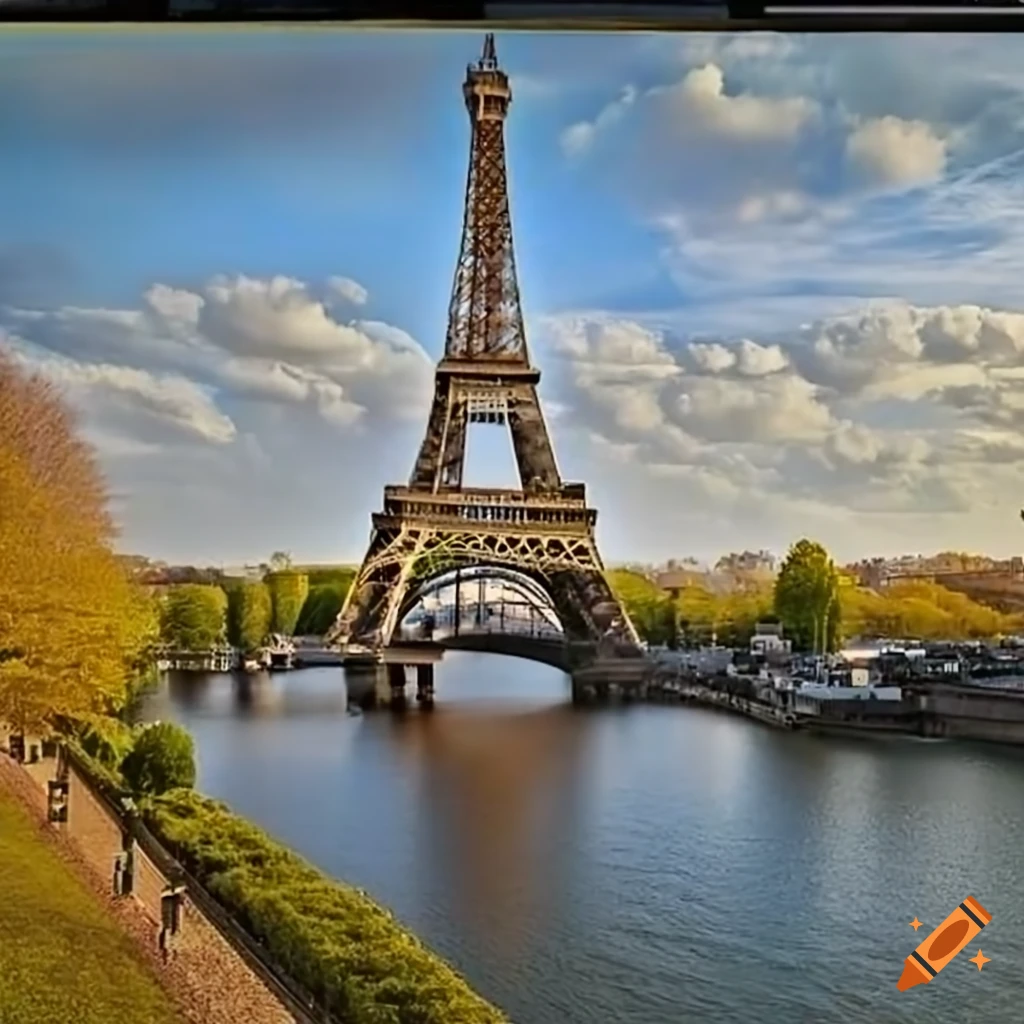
<point>638,865</point>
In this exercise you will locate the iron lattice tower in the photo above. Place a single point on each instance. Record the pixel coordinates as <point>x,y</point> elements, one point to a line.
<point>544,529</point>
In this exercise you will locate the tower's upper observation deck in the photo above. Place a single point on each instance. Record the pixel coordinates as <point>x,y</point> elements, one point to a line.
<point>486,88</point>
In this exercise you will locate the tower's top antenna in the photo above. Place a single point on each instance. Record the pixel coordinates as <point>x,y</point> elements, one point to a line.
<point>486,87</point>
<point>489,58</point>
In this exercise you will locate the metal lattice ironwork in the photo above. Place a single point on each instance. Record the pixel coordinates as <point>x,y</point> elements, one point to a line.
<point>485,320</point>
<point>545,530</point>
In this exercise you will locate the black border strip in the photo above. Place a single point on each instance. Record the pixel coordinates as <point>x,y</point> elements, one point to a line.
<point>535,15</point>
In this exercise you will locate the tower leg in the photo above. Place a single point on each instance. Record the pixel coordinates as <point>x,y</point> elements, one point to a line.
<point>425,686</point>
<point>396,681</point>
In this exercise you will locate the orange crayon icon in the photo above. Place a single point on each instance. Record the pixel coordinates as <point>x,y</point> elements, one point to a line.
<point>943,944</point>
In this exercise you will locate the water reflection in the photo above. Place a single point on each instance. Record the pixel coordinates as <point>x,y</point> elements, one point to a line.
<point>490,791</point>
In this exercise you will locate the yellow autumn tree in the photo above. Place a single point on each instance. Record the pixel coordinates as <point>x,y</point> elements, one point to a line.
<point>72,626</point>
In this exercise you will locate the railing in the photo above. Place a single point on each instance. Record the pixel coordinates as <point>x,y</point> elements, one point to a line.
<point>438,635</point>
<point>518,499</point>
<point>497,621</point>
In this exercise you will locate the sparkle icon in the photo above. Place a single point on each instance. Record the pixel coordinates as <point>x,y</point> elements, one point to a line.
<point>980,959</point>
<point>915,924</point>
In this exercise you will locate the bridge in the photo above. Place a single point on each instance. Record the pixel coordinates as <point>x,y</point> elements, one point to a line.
<point>485,609</point>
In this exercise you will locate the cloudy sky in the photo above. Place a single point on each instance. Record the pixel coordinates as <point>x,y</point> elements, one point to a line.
<point>774,283</point>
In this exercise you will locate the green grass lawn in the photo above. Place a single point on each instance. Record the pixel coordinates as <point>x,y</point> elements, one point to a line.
<point>63,960</point>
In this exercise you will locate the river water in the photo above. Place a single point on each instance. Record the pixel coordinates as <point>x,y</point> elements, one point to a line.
<point>639,865</point>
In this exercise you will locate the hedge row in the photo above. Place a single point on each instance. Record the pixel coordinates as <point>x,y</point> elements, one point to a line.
<point>108,779</point>
<point>332,939</point>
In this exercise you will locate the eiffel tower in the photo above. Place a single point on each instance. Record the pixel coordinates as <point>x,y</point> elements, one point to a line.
<point>436,524</point>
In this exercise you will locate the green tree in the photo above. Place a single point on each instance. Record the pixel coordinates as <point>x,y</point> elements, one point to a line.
<point>322,607</point>
<point>807,598</point>
<point>193,617</point>
<point>250,610</point>
<point>162,758</point>
<point>288,593</point>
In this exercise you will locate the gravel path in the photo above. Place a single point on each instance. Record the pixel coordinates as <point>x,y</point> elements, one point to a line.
<point>205,978</point>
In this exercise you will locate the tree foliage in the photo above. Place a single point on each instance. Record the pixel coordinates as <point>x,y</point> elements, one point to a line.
<point>696,615</point>
<point>250,610</point>
<point>193,617</point>
<point>162,758</point>
<point>649,608</point>
<point>336,575</point>
<point>334,940</point>
<point>322,607</point>
<point>288,592</point>
<point>73,628</point>
<point>107,740</point>
<point>807,598</point>
<point>921,610</point>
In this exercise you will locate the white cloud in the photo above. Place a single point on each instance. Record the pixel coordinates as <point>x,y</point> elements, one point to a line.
<point>897,152</point>
<point>165,403</point>
<point>745,117</point>
<point>349,290</point>
<point>713,48</point>
<point>771,205</point>
<point>578,137</point>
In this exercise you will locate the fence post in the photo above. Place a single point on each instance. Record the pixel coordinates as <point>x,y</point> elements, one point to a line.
<point>57,801</point>
<point>171,902</point>
<point>124,862</point>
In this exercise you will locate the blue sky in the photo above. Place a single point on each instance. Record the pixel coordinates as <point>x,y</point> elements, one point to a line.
<point>772,282</point>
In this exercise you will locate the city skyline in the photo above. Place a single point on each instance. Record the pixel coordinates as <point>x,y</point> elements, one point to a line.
<point>770,281</point>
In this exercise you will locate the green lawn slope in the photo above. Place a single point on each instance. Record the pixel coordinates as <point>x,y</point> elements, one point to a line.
<point>63,960</point>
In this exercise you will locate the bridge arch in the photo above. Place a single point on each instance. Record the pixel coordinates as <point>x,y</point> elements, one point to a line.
<point>473,585</point>
<point>485,608</point>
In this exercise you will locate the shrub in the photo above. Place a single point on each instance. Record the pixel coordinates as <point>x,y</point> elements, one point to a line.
<point>163,758</point>
<point>250,608</point>
<point>344,948</point>
<point>107,740</point>
<point>288,593</point>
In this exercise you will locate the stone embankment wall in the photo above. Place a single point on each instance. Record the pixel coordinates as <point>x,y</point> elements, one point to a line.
<point>973,713</point>
<point>211,970</point>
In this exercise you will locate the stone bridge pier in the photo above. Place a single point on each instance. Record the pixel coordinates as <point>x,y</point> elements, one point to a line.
<point>383,680</point>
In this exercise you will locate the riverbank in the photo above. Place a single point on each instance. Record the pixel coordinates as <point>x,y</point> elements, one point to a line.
<point>696,693</point>
<point>948,711</point>
<point>64,956</point>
